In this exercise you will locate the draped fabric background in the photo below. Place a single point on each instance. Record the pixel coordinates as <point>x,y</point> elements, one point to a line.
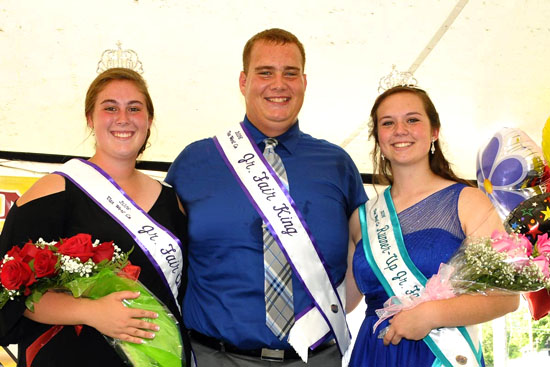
<point>483,62</point>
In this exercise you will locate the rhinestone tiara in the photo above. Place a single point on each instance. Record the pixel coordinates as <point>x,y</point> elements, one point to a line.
<point>119,58</point>
<point>396,78</point>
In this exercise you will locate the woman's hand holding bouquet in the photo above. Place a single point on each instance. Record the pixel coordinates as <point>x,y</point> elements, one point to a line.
<point>99,272</point>
<point>504,262</point>
<point>112,318</point>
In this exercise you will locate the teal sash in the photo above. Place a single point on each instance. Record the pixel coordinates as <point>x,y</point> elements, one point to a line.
<point>387,255</point>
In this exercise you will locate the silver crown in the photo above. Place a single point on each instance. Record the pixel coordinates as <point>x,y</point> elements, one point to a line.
<point>119,58</point>
<point>396,78</point>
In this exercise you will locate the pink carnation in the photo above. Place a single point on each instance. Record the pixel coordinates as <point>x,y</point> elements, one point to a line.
<point>513,246</point>
<point>543,244</point>
<point>542,263</point>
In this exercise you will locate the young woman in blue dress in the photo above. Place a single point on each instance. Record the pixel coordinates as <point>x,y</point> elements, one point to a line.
<point>434,211</point>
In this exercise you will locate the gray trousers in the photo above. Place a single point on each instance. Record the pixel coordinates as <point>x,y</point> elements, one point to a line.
<point>208,357</point>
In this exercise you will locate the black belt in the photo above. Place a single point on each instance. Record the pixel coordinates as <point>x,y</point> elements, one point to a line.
<point>274,355</point>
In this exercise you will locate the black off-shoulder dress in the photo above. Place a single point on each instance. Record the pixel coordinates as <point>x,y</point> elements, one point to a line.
<point>62,215</point>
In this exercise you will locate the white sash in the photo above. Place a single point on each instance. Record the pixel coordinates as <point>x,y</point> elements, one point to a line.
<point>273,203</point>
<point>386,254</point>
<point>161,247</point>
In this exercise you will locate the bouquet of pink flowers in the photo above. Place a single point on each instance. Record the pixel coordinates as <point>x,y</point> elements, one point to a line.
<point>90,269</point>
<point>500,263</point>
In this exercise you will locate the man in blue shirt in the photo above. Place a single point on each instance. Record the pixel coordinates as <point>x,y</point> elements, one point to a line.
<point>224,305</point>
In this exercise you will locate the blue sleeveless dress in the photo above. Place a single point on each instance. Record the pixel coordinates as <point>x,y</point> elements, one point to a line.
<point>432,233</point>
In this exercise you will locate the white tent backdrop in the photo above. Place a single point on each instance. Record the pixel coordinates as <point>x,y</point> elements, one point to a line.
<point>485,64</point>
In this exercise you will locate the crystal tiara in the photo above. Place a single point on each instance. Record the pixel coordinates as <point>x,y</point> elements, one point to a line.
<point>397,78</point>
<point>119,58</point>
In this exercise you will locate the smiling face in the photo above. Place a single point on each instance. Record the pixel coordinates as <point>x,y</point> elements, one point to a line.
<point>404,130</point>
<point>273,86</point>
<point>120,120</point>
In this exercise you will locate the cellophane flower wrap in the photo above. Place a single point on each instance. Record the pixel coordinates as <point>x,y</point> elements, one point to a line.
<point>505,263</point>
<point>93,270</point>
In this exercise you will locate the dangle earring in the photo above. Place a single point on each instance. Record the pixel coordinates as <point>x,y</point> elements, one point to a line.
<point>432,149</point>
<point>382,156</point>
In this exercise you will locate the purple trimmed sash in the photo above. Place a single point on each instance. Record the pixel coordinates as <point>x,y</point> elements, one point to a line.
<point>161,247</point>
<point>268,194</point>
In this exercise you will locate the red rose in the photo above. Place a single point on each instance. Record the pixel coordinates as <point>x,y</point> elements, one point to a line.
<point>130,271</point>
<point>103,251</point>
<point>78,246</point>
<point>16,273</point>
<point>14,252</point>
<point>28,252</point>
<point>44,263</point>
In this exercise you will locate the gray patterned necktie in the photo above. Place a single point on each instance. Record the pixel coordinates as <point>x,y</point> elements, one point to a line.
<point>279,303</point>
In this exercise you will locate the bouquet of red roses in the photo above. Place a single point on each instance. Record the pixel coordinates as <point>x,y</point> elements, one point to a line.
<point>500,263</point>
<point>93,270</point>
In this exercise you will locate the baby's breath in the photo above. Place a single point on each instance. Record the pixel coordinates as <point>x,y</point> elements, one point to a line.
<point>479,267</point>
<point>67,269</point>
<point>117,254</point>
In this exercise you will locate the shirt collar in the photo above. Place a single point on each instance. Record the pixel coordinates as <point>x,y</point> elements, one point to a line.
<point>288,140</point>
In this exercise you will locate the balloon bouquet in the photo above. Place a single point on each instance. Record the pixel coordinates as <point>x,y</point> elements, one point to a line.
<point>513,171</point>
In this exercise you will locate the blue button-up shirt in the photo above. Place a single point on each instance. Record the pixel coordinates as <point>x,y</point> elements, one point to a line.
<point>225,293</point>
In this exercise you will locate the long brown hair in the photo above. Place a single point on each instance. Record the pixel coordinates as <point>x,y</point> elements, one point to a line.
<point>438,163</point>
